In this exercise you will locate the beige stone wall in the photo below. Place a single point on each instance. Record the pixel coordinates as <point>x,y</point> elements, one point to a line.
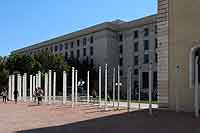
<point>184,29</point>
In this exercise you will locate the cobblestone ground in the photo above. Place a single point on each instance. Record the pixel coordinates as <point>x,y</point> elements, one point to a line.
<point>90,119</point>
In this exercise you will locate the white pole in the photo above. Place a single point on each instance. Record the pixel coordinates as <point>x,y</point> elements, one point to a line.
<point>50,84</point>
<point>36,81</point>
<point>19,78</point>
<point>129,88</point>
<point>10,87</point>
<point>72,87</point>
<point>13,86</point>
<point>46,88</point>
<point>64,87</point>
<point>31,88</point>
<point>25,86</point>
<point>139,87</point>
<point>76,86</point>
<point>54,87</point>
<point>150,89</point>
<point>106,85</point>
<point>88,86</point>
<point>34,86</point>
<point>118,86</point>
<point>196,92</point>
<point>100,86</point>
<point>114,87</point>
<point>39,79</point>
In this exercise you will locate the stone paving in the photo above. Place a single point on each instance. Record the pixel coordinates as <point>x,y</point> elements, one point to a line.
<point>31,118</point>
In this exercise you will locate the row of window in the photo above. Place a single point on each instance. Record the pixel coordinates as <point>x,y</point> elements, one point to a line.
<point>136,34</point>
<point>78,53</point>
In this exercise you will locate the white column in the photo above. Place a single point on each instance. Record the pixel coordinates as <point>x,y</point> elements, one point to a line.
<point>54,87</point>
<point>34,78</point>
<point>10,87</point>
<point>46,87</point>
<point>118,86</point>
<point>114,87</point>
<point>72,87</point>
<point>106,85</point>
<point>31,88</point>
<point>139,87</point>
<point>76,86</point>
<point>25,86</point>
<point>64,87</point>
<point>88,86</point>
<point>13,86</point>
<point>100,86</point>
<point>50,84</point>
<point>150,88</point>
<point>39,80</point>
<point>19,81</point>
<point>129,88</point>
<point>196,92</point>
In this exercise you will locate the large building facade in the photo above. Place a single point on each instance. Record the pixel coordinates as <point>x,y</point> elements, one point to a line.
<point>127,44</point>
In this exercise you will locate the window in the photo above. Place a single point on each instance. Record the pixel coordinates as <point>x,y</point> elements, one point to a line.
<point>78,43</point>
<point>156,43</point>
<point>136,72</point>
<point>84,41</point>
<point>56,48</point>
<point>66,45</point>
<point>136,60</point>
<point>72,54</point>
<point>72,44</point>
<point>66,56</point>
<point>156,29</point>
<point>121,49</point>
<point>61,47</point>
<point>156,57</point>
<point>136,85</point>
<point>91,51</point>
<point>136,46</point>
<point>155,80</point>
<point>121,61</point>
<point>145,79</point>
<point>77,53</point>
<point>91,39</point>
<point>121,73</point>
<point>146,59</point>
<point>146,44</point>
<point>92,62</point>
<point>136,34</point>
<point>146,32</point>
<point>84,51</point>
<point>121,37</point>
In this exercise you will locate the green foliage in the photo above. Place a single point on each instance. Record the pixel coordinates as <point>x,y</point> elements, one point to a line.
<point>3,72</point>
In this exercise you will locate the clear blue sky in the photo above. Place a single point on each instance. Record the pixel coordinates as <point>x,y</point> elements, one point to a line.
<point>25,22</point>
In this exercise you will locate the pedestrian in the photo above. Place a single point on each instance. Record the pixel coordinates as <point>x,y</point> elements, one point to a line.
<point>35,95</point>
<point>39,95</point>
<point>4,94</point>
<point>94,94</point>
<point>16,94</point>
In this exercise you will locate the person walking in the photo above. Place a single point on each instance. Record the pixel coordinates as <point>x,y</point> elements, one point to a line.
<point>39,95</point>
<point>35,95</point>
<point>4,94</point>
<point>16,94</point>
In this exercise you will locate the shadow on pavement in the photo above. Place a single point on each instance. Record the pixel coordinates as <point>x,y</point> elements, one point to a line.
<point>134,122</point>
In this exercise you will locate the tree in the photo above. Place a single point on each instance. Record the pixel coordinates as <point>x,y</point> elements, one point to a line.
<point>3,73</point>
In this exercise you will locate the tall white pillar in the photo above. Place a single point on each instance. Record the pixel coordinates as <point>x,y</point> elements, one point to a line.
<point>118,86</point>
<point>25,86</point>
<point>106,85</point>
<point>76,86</point>
<point>10,87</point>
<point>50,84</point>
<point>196,92</point>
<point>46,87</point>
<point>34,83</point>
<point>39,79</point>
<point>54,87</point>
<point>88,86</point>
<point>64,87</point>
<point>150,89</point>
<point>19,82</point>
<point>100,86</point>
<point>31,88</point>
<point>129,88</point>
<point>13,86</point>
<point>139,87</point>
<point>72,87</point>
<point>114,87</point>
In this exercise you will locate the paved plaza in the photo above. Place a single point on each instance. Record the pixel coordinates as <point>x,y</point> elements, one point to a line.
<point>25,118</point>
